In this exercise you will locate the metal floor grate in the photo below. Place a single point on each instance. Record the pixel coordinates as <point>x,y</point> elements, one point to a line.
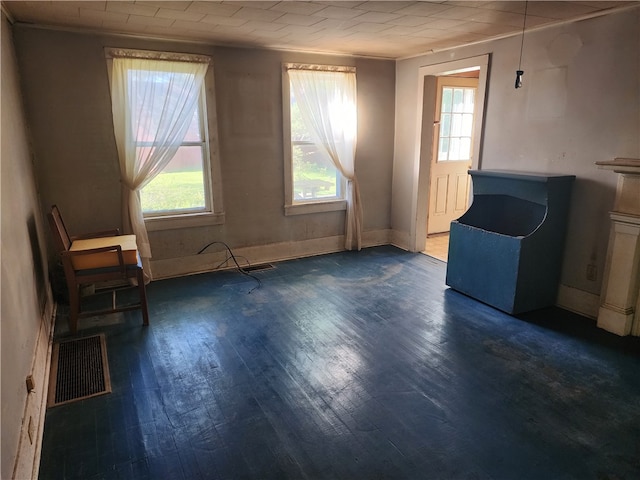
<point>79,370</point>
<point>257,268</point>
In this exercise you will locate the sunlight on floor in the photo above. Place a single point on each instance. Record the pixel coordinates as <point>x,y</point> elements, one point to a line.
<point>437,246</point>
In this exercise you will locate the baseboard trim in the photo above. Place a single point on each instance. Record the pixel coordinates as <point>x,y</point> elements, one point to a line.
<point>399,239</point>
<point>27,463</point>
<point>578,301</point>
<point>256,255</point>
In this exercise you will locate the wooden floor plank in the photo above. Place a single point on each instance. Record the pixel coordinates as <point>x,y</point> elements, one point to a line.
<point>350,365</point>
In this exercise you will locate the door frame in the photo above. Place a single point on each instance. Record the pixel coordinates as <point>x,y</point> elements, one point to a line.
<point>424,136</point>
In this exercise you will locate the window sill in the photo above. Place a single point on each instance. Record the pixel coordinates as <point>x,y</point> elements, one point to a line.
<point>184,221</point>
<point>315,207</point>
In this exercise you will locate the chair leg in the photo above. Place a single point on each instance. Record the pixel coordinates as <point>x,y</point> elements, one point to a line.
<point>143,297</point>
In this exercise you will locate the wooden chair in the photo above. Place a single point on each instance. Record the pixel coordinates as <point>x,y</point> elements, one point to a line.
<point>105,258</point>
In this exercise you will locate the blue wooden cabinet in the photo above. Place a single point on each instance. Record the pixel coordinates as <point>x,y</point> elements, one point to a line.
<point>506,250</point>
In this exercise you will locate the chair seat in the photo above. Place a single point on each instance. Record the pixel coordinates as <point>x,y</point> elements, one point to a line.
<point>131,269</point>
<point>104,259</point>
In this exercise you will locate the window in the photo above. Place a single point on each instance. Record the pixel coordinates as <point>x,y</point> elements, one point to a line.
<point>456,123</point>
<point>320,138</point>
<point>315,177</point>
<point>183,185</point>
<point>161,123</point>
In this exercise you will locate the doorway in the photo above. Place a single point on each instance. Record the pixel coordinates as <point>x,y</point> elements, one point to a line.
<point>447,151</point>
<point>451,158</point>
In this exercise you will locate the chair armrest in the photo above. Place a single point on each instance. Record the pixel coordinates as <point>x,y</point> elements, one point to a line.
<point>92,251</point>
<point>104,233</point>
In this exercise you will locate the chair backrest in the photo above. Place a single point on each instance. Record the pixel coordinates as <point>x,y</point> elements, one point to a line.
<point>60,234</point>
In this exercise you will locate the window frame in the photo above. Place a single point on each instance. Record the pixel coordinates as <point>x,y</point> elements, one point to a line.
<point>292,207</point>
<point>213,213</point>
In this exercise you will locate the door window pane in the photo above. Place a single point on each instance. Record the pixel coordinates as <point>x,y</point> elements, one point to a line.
<point>456,123</point>
<point>458,100</point>
<point>447,95</point>
<point>467,125</point>
<point>445,125</point>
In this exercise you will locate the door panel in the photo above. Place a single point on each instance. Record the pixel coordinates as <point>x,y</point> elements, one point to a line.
<point>462,193</point>
<point>440,207</point>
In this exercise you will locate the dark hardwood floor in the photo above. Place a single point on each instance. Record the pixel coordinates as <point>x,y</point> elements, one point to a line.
<point>349,366</point>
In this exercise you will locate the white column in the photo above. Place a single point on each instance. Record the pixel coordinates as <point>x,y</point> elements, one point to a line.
<point>620,287</point>
<point>619,302</point>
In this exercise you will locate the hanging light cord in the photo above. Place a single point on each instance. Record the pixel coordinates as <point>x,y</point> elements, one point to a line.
<point>524,24</point>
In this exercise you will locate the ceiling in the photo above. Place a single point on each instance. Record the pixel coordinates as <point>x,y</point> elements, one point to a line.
<point>386,29</point>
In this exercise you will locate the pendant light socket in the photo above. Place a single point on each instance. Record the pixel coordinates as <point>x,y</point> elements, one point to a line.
<point>519,74</point>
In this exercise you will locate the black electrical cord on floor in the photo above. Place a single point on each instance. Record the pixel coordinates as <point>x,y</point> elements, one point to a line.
<point>233,257</point>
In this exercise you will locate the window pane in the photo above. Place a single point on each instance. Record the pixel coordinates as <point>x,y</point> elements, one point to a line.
<point>467,124</point>
<point>445,125</point>
<point>458,100</point>
<point>456,127</point>
<point>193,132</point>
<point>465,148</point>
<point>148,104</point>
<point>180,186</point>
<point>469,94</point>
<point>454,151</point>
<point>298,131</point>
<point>314,175</point>
<point>443,149</point>
<point>447,94</point>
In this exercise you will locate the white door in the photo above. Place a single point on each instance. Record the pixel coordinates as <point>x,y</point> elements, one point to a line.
<point>452,151</point>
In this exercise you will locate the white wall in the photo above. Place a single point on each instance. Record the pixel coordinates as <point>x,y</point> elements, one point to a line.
<point>580,103</point>
<point>26,297</point>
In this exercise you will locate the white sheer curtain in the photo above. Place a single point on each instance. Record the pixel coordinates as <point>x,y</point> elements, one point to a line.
<point>153,102</point>
<point>327,101</point>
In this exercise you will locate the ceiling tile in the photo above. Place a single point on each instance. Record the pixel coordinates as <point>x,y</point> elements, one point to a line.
<point>105,16</point>
<point>131,8</point>
<point>382,6</point>
<point>369,27</point>
<point>444,23</point>
<point>425,9</point>
<point>220,20</point>
<point>339,12</point>
<point>300,8</point>
<point>300,30</point>
<point>457,13</point>
<point>249,13</point>
<point>409,21</point>
<point>97,5</point>
<point>194,27</point>
<point>294,19</point>
<point>181,6</point>
<point>180,15</point>
<point>258,4</point>
<point>269,34</point>
<point>505,6</point>
<point>377,17</point>
<point>263,26</point>
<point>559,10</point>
<point>154,21</point>
<point>214,8</point>
<point>499,18</point>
